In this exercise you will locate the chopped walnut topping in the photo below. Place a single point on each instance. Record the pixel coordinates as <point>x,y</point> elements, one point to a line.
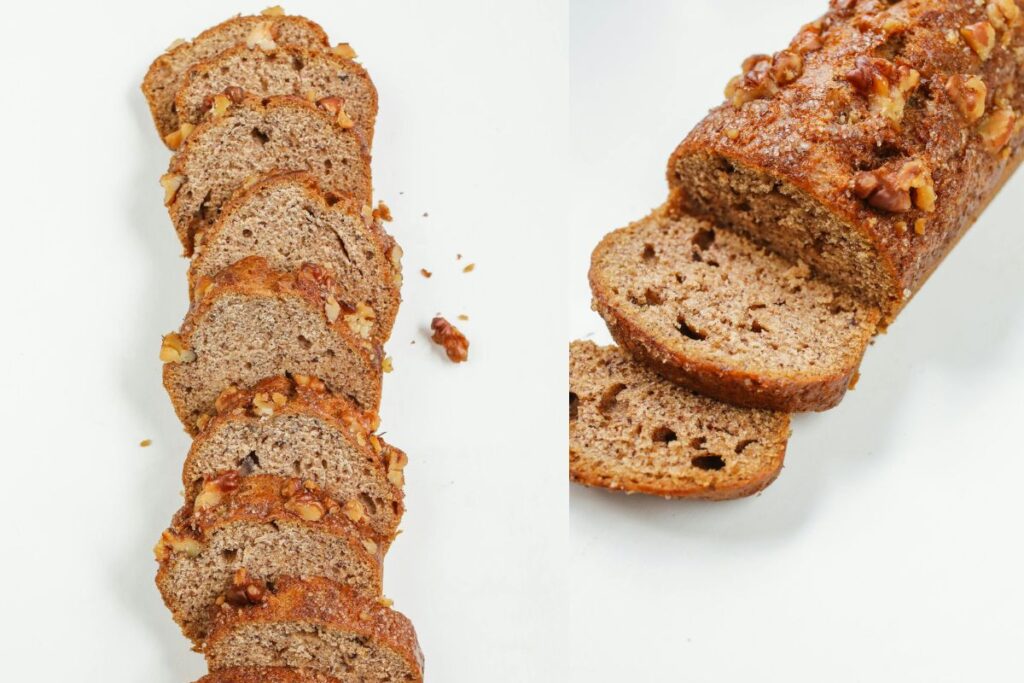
<point>968,94</point>
<point>354,510</point>
<point>301,500</point>
<point>886,85</point>
<point>172,350</point>
<point>757,80</point>
<point>1004,14</point>
<point>213,490</point>
<point>385,602</point>
<point>996,129</point>
<point>245,590</point>
<point>225,399</point>
<point>396,467</point>
<point>171,182</point>
<point>175,138</point>
<point>455,344</point>
<point>361,320</point>
<point>809,39</point>
<point>261,36</point>
<point>262,406</point>
<point>787,67</point>
<point>387,365</point>
<point>275,11</point>
<point>897,191</point>
<point>344,50</point>
<point>395,257</point>
<point>170,542</point>
<point>981,37</point>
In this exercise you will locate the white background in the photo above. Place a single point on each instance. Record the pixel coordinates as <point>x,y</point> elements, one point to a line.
<point>890,548</point>
<point>472,131</point>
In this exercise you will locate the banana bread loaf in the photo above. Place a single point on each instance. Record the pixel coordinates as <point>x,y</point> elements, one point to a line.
<point>276,674</point>
<point>243,138</point>
<point>868,146</point>
<point>317,624</point>
<point>164,77</point>
<point>251,322</point>
<point>288,220</point>
<point>284,70</point>
<point>242,531</point>
<point>631,430</point>
<point>717,314</point>
<point>295,427</point>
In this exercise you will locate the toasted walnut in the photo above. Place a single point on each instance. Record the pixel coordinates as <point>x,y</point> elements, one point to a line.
<point>261,36</point>
<point>203,420</point>
<point>214,489</point>
<point>245,590</point>
<point>361,320</point>
<point>886,85</point>
<point>203,286</point>
<point>275,11</point>
<point>382,212</point>
<point>395,257</point>
<point>354,510</point>
<point>306,506</point>
<point>262,406</point>
<point>968,94</point>
<point>332,308</point>
<point>897,191</point>
<point>996,129</point>
<point>787,67</point>
<point>375,442</point>
<point>344,50</point>
<point>371,548</point>
<point>396,467</point>
<point>385,602</point>
<point>171,182</point>
<point>455,344</point>
<point>809,39</point>
<point>221,104</point>
<point>1004,14</point>
<point>170,542</point>
<point>175,138</point>
<point>226,399</point>
<point>754,83</point>
<point>172,350</point>
<point>336,107</point>
<point>387,365</point>
<point>981,37</point>
<point>307,381</point>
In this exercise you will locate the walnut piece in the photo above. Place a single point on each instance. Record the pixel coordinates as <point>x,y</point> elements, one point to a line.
<point>455,344</point>
<point>175,138</point>
<point>361,320</point>
<point>996,129</point>
<point>968,94</point>
<point>261,36</point>
<point>171,182</point>
<point>396,467</point>
<point>170,542</point>
<point>1004,14</point>
<point>354,510</point>
<point>336,107</point>
<point>172,350</point>
<point>275,11</point>
<point>332,308</point>
<point>899,190</point>
<point>763,75</point>
<point>245,590</point>
<point>886,85</point>
<point>302,502</point>
<point>981,37</point>
<point>344,50</point>
<point>214,489</point>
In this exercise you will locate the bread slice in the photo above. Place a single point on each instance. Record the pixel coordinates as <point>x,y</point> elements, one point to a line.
<point>288,220</point>
<point>285,70</point>
<point>314,435</point>
<point>244,138</point>
<point>276,674</point>
<point>319,625</point>
<point>165,74</point>
<point>251,322</point>
<point>634,431</point>
<point>717,314</point>
<point>254,529</point>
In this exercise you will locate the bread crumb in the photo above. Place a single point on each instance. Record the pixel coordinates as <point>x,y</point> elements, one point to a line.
<point>425,273</point>
<point>919,226</point>
<point>853,380</point>
<point>146,443</point>
<point>463,316</point>
<point>458,257</point>
<point>469,268</point>
<point>387,365</point>
<point>426,215</point>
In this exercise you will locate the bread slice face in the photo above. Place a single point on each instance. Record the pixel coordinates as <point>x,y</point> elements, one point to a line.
<point>289,220</point>
<point>166,73</point>
<point>275,674</point>
<point>632,430</point>
<point>246,137</point>
<point>317,625</point>
<point>242,530</point>
<point>284,70</point>
<point>251,322</point>
<point>719,315</point>
<point>296,427</point>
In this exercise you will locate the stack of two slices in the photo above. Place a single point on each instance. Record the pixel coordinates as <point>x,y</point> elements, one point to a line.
<point>273,566</point>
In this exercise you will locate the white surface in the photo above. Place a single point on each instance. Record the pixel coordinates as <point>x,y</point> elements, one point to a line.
<point>889,548</point>
<point>472,130</point>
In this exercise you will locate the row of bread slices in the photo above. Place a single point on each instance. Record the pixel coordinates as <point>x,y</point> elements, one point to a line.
<point>273,565</point>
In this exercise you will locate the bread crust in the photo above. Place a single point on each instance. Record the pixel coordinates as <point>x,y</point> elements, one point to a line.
<point>766,389</point>
<point>251,277</point>
<point>275,674</point>
<point>172,64</point>
<point>815,153</point>
<point>327,604</point>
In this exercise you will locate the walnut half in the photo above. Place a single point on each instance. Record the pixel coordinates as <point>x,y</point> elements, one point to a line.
<point>897,191</point>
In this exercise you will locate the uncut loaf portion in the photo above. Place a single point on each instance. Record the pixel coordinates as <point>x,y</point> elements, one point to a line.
<point>288,219</point>
<point>631,430</point>
<point>317,624</point>
<point>165,74</point>
<point>251,322</point>
<point>244,137</point>
<point>296,427</point>
<point>241,532</point>
<point>276,674</point>
<point>868,146</point>
<point>714,312</point>
<point>282,70</point>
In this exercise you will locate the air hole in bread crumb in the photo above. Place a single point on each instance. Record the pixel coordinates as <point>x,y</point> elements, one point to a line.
<point>297,63</point>
<point>297,468</point>
<point>687,331</point>
<point>757,327</point>
<point>703,239</point>
<point>648,252</point>
<point>663,435</point>
<point>707,462</point>
<point>573,405</point>
<point>259,136</point>
<point>368,503</point>
<point>610,398</point>
<point>305,343</point>
<point>247,233</point>
<point>249,463</point>
<point>742,445</point>
<point>698,442</point>
<point>328,164</point>
<point>229,555</point>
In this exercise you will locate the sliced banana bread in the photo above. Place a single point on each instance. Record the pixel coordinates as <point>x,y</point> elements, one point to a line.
<point>285,70</point>
<point>634,431</point>
<point>244,137</point>
<point>165,75</point>
<point>288,220</point>
<point>317,624</point>
<point>251,322</point>
<point>295,427</point>
<point>276,674</point>
<point>717,314</point>
<point>241,531</point>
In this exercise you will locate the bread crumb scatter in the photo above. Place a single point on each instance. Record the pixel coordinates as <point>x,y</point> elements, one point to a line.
<point>425,273</point>
<point>469,268</point>
<point>463,316</point>
<point>146,443</point>
<point>455,344</point>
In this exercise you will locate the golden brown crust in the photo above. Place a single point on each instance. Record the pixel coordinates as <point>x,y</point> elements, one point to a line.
<point>327,604</point>
<point>824,151</point>
<point>266,675</point>
<point>175,60</point>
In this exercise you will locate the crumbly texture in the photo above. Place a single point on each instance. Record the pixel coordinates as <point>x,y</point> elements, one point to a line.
<point>252,138</point>
<point>256,527</point>
<point>714,312</point>
<point>165,74</point>
<point>253,322</point>
<point>288,220</point>
<point>315,435</point>
<point>275,674</point>
<point>317,624</point>
<point>287,70</point>
<point>634,431</point>
<point>879,86</point>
